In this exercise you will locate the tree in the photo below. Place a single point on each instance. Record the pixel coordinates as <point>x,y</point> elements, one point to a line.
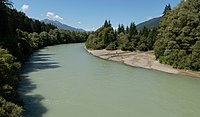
<point>35,40</point>
<point>6,2</point>
<point>142,44</point>
<point>196,56</point>
<point>132,29</point>
<point>121,29</point>
<point>106,24</point>
<point>90,44</point>
<point>24,43</point>
<point>107,36</point>
<point>167,9</point>
<point>151,39</point>
<point>9,71</point>
<point>122,40</point>
<point>111,46</point>
<point>4,27</point>
<point>8,109</point>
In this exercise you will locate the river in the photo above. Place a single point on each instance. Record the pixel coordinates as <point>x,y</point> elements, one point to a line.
<point>66,81</point>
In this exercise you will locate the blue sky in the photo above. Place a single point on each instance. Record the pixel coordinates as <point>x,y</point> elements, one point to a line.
<point>91,14</point>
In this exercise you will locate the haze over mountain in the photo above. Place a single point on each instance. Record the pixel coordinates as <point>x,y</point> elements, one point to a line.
<point>61,26</point>
<point>150,24</point>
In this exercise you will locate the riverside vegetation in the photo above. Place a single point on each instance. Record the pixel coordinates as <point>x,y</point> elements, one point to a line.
<point>176,42</point>
<point>20,36</point>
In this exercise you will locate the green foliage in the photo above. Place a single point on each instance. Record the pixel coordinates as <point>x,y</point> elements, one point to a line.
<point>122,40</point>
<point>132,30</point>
<point>111,46</point>
<point>121,29</point>
<point>8,109</point>
<point>9,71</point>
<point>28,42</point>
<point>129,39</point>
<point>101,38</point>
<point>196,56</point>
<point>179,35</point>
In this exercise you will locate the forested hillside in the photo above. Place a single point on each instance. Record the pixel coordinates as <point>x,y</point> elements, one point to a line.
<point>150,24</point>
<point>178,41</point>
<point>62,26</point>
<point>20,36</point>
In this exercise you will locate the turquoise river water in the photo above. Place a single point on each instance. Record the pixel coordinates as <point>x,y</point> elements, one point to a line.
<point>66,81</point>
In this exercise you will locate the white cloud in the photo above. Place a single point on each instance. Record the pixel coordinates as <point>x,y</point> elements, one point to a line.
<point>50,14</point>
<point>58,17</point>
<point>54,16</point>
<point>25,7</point>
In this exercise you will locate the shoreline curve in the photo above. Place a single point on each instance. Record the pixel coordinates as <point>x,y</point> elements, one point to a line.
<point>141,60</point>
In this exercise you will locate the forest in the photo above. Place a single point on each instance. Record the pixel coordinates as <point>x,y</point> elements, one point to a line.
<point>123,38</point>
<point>176,42</point>
<point>20,36</point>
<point>178,39</point>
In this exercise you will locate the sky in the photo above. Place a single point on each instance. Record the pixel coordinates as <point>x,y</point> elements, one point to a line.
<point>91,14</point>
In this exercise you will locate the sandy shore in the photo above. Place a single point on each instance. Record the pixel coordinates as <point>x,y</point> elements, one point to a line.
<point>139,59</point>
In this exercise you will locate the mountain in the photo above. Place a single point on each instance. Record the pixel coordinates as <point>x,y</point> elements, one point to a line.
<point>61,26</point>
<point>152,23</point>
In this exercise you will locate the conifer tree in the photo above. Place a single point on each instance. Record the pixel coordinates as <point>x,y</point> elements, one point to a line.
<point>167,9</point>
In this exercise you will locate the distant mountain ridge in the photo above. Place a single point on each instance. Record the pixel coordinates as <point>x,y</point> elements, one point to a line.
<point>61,26</point>
<point>150,24</point>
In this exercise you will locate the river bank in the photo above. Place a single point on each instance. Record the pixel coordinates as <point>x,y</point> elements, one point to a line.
<point>140,59</point>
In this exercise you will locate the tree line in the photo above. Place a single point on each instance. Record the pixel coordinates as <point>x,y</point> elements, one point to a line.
<point>29,42</point>
<point>20,36</point>
<point>123,38</point>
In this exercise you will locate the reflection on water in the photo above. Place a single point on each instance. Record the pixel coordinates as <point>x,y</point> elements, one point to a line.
<point>65,80</point>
